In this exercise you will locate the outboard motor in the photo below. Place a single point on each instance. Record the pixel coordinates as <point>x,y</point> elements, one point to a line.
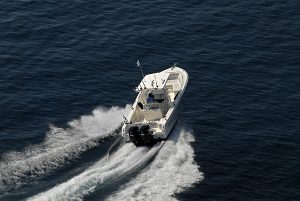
<point>134,134</point>
<point>146,134</point>
<point>141,136</point>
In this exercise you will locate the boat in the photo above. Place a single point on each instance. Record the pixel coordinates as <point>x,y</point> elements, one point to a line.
<point>156,108</point>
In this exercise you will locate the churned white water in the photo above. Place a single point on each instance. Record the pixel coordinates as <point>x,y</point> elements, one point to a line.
<point>59,146</point>
<point>107,170</point>
<point>172,170</point>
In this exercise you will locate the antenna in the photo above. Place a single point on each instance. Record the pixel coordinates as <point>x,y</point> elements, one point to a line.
<point>175,64</point>
<point>139,65</point>
<point>155,81</point>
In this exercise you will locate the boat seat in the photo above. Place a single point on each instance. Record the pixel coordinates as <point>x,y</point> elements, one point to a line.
<point>169,87</point>
<point>171,95</point>
<point>176,87</point>
<point>173,86</point>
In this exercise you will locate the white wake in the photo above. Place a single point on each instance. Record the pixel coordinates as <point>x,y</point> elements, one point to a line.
<point>59,146</point>
<point>107,170</point>
<point>172,170</point>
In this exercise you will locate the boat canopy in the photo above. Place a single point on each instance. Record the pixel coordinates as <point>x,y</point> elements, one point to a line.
<point>154,81</point>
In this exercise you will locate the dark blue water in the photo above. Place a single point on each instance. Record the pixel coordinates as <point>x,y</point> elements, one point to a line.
<point>61,60</point>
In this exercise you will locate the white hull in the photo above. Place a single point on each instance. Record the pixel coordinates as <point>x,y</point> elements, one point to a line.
<point>156,108</point>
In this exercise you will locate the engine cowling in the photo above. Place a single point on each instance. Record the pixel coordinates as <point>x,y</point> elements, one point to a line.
<point>134,134</point>
<point>145,133</point>
<point>140,136</point>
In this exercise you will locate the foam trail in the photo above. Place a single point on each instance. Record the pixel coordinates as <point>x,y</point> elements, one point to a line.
<point>124,161</point>
<point>173,170</point>
<point>59,146</point>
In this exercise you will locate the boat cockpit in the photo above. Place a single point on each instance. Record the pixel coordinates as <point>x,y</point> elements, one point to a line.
<point>156,107</point>
<point>156,98</point>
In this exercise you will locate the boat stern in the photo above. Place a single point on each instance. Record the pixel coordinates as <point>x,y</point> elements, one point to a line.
<point>143,133</point>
